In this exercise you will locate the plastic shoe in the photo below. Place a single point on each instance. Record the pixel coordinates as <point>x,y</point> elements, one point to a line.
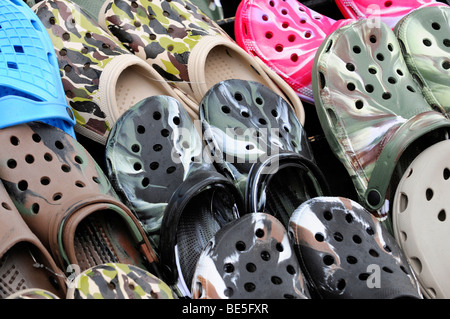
<point>420,220</point>
<point>67,201</point>
<point>346,253</point>
<point>24,261</point>
<point>285,35</point>
<point>389,12</point>
<point>186,47</point>
<point>212,8</point>
<point>101,78</point>
<point>30,85</point>
<point>370,108</point>
<point>258,143</point>
<point>424,36</point>
<point>231,265</point>
<point>155,162</point>
<point>118,281</point>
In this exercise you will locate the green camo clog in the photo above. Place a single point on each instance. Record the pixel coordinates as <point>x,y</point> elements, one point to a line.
<point>118,281</point>
<point>424,36</point>
<point>371,108</point>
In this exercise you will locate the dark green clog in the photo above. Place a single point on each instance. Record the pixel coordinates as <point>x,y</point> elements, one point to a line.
<point>371,108</point>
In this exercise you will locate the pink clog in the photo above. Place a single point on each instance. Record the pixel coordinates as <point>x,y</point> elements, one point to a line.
<point>285,35</point>
<point>388,11</point>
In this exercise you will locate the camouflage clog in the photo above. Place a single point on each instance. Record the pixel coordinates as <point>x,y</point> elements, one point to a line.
<point>346,253</point>
<point>156,163</point>
<point>186,47</point>
<point>118,281</point>
<point>30,84</point>
<point>424,36</point>
<point>24,261</point>
<point>420,221</point>
<point>67,201</point>
<point>250,258</point>
<point>257,141</point>
<point>38,294</point>
<point>101,78</point>
<point>389,12</point>
<point>371,109</point>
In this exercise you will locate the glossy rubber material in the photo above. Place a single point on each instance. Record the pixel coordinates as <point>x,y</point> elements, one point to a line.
<point>255,138</point>
<point>232,264</point>
<point>156,164</point>
<point>389,12</point>
<point>285,35</point>
<point>346,253</point>
<point>420,221</point>
<point>370,107</point>
<point>424,36</point>
<point>30,84</point>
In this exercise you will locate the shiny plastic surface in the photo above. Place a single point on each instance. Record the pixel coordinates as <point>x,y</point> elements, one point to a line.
<point>285,35</point>
<point>347,253</point>
<point>369,105</point>
<point>250,258</point>
<point>389,12</point>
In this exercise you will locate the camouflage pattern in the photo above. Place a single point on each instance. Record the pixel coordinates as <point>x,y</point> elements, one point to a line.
<point>118,281</point>
<point>347,253</point>
<point>250,258</point>
<point>83,50</point>
<point>151,150</point>
<point>424,35</point>
<point>244,123</point>
<point>251,132</point>
<point>369,105</point>
<point>52,180</point>
<point>33,294</point>
<point>159,31</point>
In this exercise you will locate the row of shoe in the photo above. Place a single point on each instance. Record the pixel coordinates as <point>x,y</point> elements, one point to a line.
<point>378,79</point>
<point>210,188</point>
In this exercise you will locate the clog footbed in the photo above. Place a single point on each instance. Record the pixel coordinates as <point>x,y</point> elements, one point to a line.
<point>420,220</point>
<point>424,36</point>
<point>346,253</point>
<point>186,47</point>
<point>285,35</point>
<point>256,140</point>
<point>249,258</point>
<point>370,107</point>
<point>24,261</point>
<point>67,201</point>
<point>30,84</point>
<point>156,163</point>
<point>101,78</point>
<point>118,281</point>
<point>389,12</point>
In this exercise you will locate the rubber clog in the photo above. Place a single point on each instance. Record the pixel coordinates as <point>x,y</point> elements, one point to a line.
<point>30,84</point>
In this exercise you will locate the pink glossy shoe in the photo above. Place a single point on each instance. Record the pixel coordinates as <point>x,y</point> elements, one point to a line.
<point>388,11</point>
<point>285,35</point>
